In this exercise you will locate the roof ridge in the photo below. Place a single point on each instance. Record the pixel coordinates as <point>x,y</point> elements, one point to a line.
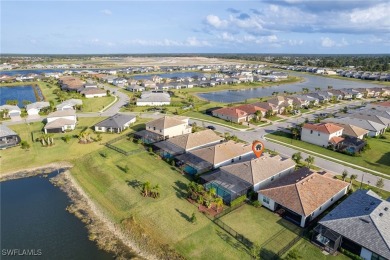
<point>377,229</point>
<point>299,195</point>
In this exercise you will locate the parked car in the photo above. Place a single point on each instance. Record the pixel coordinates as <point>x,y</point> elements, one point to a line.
<point>211,127</point>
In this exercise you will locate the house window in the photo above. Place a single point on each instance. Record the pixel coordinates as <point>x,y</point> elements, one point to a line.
<point>154,128</point>
<point>272,178</point>
<point>320,208</point>
<point>311,131</point>
<point>239,158</point>
<point>331,199</point>
<point>265,199</point>
<point>318,134</point>
<point>232,160</point>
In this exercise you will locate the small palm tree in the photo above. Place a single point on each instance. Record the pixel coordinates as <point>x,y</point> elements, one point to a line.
<point>352,177</point>
<point>218,203</point>
<point>344,175</point>
<point>309,160</point>
<point>297,157</point>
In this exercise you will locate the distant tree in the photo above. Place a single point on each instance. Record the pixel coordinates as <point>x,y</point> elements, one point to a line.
<point>12,102</point>
<point>66,138</point>
<point>269,113</point>
<point>330,87</point>
<point>218,203</point>
<point>317,89</point>
<point>380,183</point>
<point>26,102</point>
<point>258,115</point>
<point>297,157</point>
<point>295,132</point>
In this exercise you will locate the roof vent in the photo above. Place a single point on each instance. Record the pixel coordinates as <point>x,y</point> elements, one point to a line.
<point>386,208</point>
<point>372,203</point>
<point>380,214</point>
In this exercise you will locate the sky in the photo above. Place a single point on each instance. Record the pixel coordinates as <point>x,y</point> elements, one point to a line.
<point>261,26</point>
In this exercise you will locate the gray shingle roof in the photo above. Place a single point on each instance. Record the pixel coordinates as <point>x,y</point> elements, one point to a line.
<point>363,218</point>
<point>116,121</point>
<point>5,131</point>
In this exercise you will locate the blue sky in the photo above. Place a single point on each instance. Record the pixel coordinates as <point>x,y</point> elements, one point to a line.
<point>262,26</point>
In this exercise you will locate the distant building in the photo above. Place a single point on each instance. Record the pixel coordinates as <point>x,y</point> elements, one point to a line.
<point>69,104</point>
<point>35,108</point>
<point>60,121</point>
<point>115,124</point>
<point>154,99</point>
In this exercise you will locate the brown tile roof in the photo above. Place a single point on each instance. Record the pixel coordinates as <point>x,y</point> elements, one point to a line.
<point>259,169</point>
<point>336,139</point>
<point>328,128</point>
<point>222,152</point>
<point>251,109</point>
<point>231,111</point>
<point>166,122</point>
<point>72,82</point>
<point>91,91</point>
<point>303,191</point>
<point>190,141</point>
<point>352,130</point>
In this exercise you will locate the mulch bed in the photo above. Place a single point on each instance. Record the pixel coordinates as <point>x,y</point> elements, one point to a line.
<point>212,211</point>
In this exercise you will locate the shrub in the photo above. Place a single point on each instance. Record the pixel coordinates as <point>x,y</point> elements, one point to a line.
<point>25,145</point>
<point>238,201</point>
<point>350,255</point>
<point>256,204</point>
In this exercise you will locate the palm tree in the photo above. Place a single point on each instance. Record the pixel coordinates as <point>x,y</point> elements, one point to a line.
<point>258,115</point>
<point>352,177</point>
<point>344,175</point>
<point>297,157</point>
<point>295,132</point>
<point>309,160</point>
<point>317,89</point>
<point>155,191</point>
<point>212,192</point>
<point>218,203</point>
<point>146,187</point>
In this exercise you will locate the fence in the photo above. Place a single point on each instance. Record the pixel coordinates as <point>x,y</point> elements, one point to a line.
<point>239,237</point>
<point>117,139</point>
<point>119,150</point>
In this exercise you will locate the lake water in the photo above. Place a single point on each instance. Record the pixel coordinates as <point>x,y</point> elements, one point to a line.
<point>19,93</point>
<point>311,82</point>
<point>33,216</point>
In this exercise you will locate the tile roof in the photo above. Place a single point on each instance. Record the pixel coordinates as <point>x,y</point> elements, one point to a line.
<point>60,113</point>
<point>154,97</point>
<point>231,111</point>
<point>70,102</point>
<point>362,218</point>
<point>352,130</point>
<point>336,139</point>
<point>91,91</point>
<point>327,128</point>
<point>259,169</point>
<point>193,140</point>
<point>363,123</point>
<point>303,191</point>
<point>115,121</point>
<point>60,122</point>
<point>166,122</point>
<point>6,131</point>
<point>9,107</point>
<point>37,105</point>
<point>222,152</point>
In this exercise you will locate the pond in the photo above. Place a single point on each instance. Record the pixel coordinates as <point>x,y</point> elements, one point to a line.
<point>311,82</point>
<point>33,216</point>
<point>19,93</point>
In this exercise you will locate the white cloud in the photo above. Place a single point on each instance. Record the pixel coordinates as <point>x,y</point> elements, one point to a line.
<point>106,12</point>
<point>295,42</point>
<point>327,42</point>
<point>193,41</point>
<point>189,42</point>
<point>215,21</point>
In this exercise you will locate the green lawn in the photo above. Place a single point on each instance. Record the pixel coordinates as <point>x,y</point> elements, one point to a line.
<point>201,116</point>
<point>60,151</point>
<point>165,220</point>
<point>127,145</point>
<point>96,104</point>
<point>275,118</point>
<point>262,227</point>
<point>357,185</point>
<point>308,251</point>
<point>377,158</point>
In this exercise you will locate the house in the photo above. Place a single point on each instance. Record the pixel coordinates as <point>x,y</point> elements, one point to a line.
<point>12,111</point>
<point>135,88</point>
<point>69,104</point>
<point>372,117</point>
<point>70,83</point>
<point>212,157</point>
<point>154,99</point>
<point>352,130</point>
<point>60,121</point>
<point>238,179</point>
<point>169,126</point>
<point>237,114</point>
<point>322,134</point>
<point>115,124</point>
<point>8,138</point>
<point>360,224</point>
<point>35,108</point>
<point>93,92</point>
<point>90,85</point>
<point>184,143</point>
<point>119,82</point>
<point>302,195</point>
<point>148,83</point>
<point>374,128</point>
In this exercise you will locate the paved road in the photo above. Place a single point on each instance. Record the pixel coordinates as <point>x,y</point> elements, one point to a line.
<point>261,132</point>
